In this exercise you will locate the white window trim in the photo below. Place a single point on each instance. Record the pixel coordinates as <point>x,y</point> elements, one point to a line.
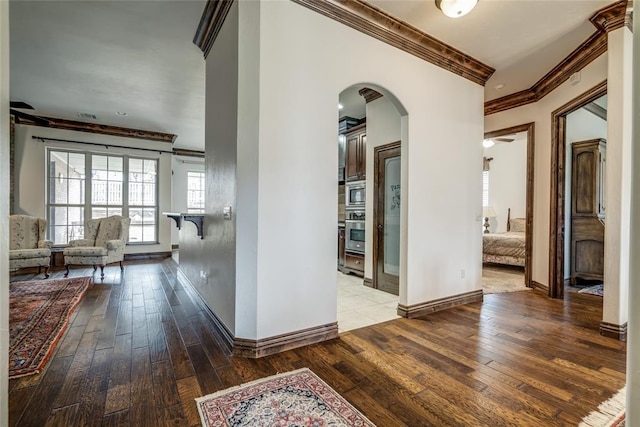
<point>87,206</point>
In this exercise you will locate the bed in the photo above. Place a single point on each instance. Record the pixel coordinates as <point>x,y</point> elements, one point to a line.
<point>506,248</point>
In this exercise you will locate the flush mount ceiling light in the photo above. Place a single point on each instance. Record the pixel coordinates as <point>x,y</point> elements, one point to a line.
<point>456,8</point>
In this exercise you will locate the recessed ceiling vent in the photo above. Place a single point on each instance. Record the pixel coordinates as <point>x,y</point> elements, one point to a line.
<point>87,116</point>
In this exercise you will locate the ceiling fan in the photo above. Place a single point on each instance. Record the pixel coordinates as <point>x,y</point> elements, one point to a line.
<point>504,139</point>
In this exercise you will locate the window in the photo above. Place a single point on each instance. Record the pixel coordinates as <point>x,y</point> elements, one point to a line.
<point>117,185</point>
<point>195,192</point>
<point>485,188</point>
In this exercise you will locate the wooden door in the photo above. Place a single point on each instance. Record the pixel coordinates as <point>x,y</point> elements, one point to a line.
<point>386,221</point>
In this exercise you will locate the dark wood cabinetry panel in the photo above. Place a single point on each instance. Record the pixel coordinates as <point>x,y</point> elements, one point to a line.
<point>354,263</point>
<point>588,159</point>
<point>356,154</point>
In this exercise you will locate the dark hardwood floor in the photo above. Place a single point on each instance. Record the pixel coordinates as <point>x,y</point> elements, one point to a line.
<point>139,349</point>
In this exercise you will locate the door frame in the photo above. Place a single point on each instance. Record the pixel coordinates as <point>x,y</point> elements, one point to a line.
<point>528,244</point>
<point>376,196</point>
<point>558,161</point>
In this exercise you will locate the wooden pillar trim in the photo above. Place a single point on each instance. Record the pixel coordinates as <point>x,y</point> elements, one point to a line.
<point>213,16</point>
<point>369,94</point>
<point>612,330</point>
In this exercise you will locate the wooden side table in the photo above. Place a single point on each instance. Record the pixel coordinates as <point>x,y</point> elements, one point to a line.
<point>57,257</point>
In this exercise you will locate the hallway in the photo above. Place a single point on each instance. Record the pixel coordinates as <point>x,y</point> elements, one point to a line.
<point>139,350</point>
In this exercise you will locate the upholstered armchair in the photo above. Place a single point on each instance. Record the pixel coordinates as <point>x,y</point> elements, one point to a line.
<point>27,245</point>
<point>104,242</point>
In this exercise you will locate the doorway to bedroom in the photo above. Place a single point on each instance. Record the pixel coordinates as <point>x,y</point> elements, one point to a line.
<point>507,209</point>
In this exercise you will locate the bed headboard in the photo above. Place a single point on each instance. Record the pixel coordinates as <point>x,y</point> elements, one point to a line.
<point>515,224</point>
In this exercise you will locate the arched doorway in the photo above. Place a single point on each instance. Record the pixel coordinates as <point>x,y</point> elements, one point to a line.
<point>370,250</point>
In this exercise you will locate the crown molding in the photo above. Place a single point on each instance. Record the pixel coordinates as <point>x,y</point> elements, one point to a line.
<point>23,118</point>
<point>213,16</point>
<point>605,20</point>
<point>514,100</point>
<point>369,94</point>
<point>188,153</point>
<point>611,17</point>
<point>376,23</point>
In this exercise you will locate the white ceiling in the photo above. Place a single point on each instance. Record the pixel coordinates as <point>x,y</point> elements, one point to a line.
<point>100,57</point>
<point>521,39</point>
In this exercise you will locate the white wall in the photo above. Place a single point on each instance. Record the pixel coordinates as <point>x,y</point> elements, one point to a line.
<point>507,182</point>
<point>581,126</point>
<point>181,166</point>
<point>4,212</point>
<point>215,254</point>
<point>540,113</point>
<point>383,127</point>
<point>303,67</point>
<point>272,91</point>
<point>30,170</point>
<point>618,185</point>
<point>633,339</point>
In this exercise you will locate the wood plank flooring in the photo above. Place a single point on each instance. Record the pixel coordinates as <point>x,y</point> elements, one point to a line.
<point>139,349</point>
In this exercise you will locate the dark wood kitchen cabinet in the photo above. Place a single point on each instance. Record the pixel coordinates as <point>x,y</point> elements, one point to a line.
<point>588,163</point>
<point>354,263</point>
<point>356,153</point>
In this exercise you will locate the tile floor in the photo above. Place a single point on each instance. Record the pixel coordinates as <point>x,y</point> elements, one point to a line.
<point>360,306</point>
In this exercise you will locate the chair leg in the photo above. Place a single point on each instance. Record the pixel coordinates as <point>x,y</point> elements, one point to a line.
<point>102,271</point>
<point>46,272</point>
<point>67,273</point>
<point>121,266</point>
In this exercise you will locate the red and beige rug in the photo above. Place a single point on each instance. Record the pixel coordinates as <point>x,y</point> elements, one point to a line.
<point>297,398</point>
<point>39,311</point>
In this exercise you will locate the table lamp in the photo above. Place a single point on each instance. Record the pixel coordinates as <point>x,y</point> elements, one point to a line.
<point>488,212</point>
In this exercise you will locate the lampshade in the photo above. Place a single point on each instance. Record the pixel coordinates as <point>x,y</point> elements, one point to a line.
<point>456,8</point>
<point>488,212</point>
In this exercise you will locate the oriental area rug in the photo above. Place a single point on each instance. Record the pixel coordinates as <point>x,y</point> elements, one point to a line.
<point>610,413</point>
<point>39,311</point>
<point>296,398</point>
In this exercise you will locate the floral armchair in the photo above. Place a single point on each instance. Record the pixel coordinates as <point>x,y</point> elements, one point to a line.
<point>27,244</point>
<point>104,243</point>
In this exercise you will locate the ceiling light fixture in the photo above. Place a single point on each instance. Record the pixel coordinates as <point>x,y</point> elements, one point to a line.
<point>121,113</point>
<point>488,143</point>
<point>456,8</point>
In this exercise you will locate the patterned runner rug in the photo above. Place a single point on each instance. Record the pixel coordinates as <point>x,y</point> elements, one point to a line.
<point>610,413</point>
<point>39,311</point>
<point>297,398</point>
<point>593,290</point>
